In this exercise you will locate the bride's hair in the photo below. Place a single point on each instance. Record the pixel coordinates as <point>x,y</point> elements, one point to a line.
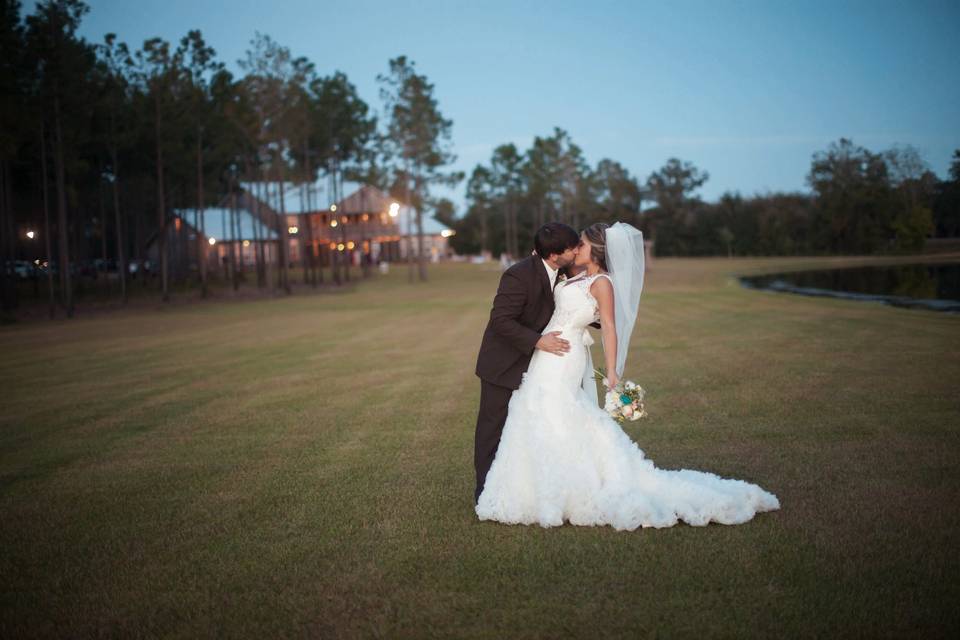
<point>597,239</point>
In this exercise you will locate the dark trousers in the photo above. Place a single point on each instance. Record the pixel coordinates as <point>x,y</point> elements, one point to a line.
<point>494,400</point>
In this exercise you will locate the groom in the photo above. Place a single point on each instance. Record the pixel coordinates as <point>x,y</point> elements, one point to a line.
<point>521,309</point>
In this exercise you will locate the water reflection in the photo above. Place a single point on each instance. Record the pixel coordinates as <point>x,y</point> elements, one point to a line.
<point>931,286</point>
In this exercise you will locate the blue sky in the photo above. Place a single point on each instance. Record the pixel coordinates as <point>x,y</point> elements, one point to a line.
<point>746,90</point>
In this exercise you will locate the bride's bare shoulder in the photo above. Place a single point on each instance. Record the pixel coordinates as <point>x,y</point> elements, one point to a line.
<point>601,286</point>
<point>602,280</point>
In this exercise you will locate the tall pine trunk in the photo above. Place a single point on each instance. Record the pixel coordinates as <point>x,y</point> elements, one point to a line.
<point>507,246</point>
<point>318,242</point>
<point>421,256</point>
<point>102,212</point>
<point>347,261</point>
<point>161,207</point>
<point>301,234</point>
<point>259,240</point>
<point>201,213</point>
<point>66,284</point>
<point>406,189</point>
<point>483,231</point>
<point>334,253</point>
<point>48,243</point>
<point>8,281</point>
<point>234,273</point>
<point>312,261</point>
<point>283,240</point>
<point>237,232</point>
<point>514,233</point>
<point>118,222</point>
<point>264,187</point>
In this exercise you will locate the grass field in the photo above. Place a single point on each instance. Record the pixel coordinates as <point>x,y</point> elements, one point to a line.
<point>303,467</point>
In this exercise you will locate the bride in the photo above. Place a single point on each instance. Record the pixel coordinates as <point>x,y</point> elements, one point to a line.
<point>561,457</point>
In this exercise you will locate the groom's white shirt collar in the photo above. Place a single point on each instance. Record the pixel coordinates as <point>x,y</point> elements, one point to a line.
<point>551,272</point>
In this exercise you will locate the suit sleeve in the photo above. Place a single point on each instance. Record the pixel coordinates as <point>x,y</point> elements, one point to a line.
<point>507,308</point>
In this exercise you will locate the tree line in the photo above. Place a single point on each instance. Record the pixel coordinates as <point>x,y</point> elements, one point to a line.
<point>859,202</point>
<point>101,142</point>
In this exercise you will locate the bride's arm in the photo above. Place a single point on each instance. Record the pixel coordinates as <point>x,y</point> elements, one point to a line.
<point>602,291</point>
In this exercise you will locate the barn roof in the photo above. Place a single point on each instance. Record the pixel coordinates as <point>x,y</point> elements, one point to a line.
<point>362,199</point>
<point>216,224</point>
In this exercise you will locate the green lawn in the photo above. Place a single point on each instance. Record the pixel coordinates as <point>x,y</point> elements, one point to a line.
<point>303,467</point>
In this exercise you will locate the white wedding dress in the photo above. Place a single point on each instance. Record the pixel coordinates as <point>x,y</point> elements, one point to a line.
<point>562,458</point>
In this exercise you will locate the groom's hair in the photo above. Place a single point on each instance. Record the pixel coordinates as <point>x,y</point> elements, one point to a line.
<point>554,238</point>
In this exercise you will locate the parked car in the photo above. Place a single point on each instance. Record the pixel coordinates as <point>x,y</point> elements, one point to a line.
<point>22,269</point>
<point>138,266</point>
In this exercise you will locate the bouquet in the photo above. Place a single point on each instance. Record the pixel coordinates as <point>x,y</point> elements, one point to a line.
<point>625,401</point>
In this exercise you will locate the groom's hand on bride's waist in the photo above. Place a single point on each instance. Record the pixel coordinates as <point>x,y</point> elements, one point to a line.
<point>553,343</point>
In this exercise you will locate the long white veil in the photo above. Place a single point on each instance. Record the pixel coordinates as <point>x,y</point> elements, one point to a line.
<point>625,264</point>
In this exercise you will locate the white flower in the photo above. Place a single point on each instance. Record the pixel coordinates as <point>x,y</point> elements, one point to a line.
<point>630,384</point>
<point>627,411</point>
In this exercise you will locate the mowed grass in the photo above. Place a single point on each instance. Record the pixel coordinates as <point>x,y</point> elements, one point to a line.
<point>303,467</point>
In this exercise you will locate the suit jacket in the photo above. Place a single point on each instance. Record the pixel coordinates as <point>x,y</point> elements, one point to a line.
<point>521,309</point>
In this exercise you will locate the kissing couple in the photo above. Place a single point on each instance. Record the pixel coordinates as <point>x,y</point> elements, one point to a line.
<point>545,452</point>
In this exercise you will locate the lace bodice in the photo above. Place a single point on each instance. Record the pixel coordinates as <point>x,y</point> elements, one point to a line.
<point>575,306</point>
<point>574,309</point>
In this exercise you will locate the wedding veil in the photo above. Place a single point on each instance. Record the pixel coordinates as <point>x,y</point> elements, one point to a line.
<point>625,264</point>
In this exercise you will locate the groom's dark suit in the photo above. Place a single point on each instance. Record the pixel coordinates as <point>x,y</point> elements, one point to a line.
<point>521,309</point>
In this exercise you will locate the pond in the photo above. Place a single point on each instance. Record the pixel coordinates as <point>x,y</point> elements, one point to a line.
<point>927,286</point>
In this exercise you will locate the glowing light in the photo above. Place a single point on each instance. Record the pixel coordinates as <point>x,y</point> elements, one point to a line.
<point>394,209</point>
<point>446,233</point>
<point>36,262</point>
<point>334,223</point>
<point>246,243</point>
<point>292,230</point>
<point>365,217</point>
<point>333,207</point>
<point>212,241</point>
<point>333,246</point>
<point>31,234</point>
<point>343,219</point>
<point>340,247</point>
<point>351,245</point>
